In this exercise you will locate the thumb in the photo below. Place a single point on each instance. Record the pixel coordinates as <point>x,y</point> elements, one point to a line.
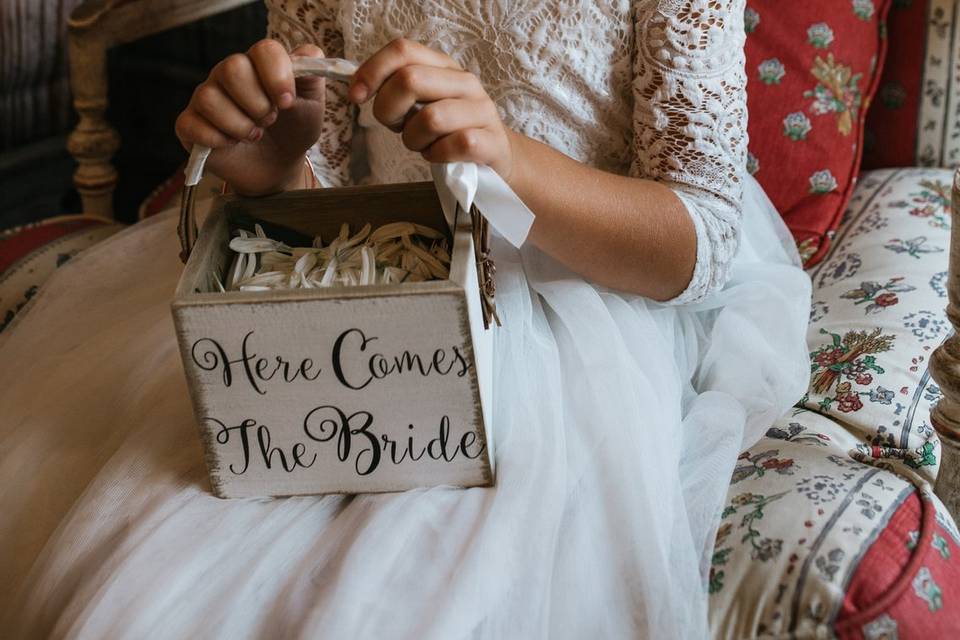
<point>310,87</point>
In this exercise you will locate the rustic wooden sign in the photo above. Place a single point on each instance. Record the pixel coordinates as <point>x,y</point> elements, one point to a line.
<point>337,390</point>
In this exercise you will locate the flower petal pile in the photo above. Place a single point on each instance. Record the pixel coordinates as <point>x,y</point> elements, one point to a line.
<point>391,254</point>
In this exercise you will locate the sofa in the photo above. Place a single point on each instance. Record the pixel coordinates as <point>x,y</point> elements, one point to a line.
<point>835,524</point>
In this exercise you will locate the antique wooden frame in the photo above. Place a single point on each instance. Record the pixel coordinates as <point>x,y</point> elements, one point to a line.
<point>93,28</point>
<point>945,369</point>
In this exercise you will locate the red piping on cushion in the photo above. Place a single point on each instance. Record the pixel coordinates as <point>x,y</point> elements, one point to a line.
<point>850,627</point>
<point>17,243</point>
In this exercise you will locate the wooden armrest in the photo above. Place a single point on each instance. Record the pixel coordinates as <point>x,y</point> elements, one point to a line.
<point>945,369</point>
<point>94,27</point>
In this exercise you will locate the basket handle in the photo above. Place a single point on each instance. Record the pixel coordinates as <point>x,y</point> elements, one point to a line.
<point>336,69</point>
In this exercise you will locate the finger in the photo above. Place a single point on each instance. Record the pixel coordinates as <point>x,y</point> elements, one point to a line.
<point>238,78</point>
<point>465,145</point>
<point>275,72</point>
<point>310,87</point>
<point>192,128</point>
<point>385,62</point>
<point>419,83</point>
<point>441,118</point>
<point>210,102</point>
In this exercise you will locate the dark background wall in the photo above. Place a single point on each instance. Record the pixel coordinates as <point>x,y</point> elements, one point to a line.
<point>151,80</point>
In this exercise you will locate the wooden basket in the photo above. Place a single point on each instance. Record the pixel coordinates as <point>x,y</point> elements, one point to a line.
<point>338,390</point>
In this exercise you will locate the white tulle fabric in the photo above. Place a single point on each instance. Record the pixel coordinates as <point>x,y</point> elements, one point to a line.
<point>618,420</point>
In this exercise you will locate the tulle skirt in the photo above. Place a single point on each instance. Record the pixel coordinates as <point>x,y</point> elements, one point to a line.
<point>618,423</point>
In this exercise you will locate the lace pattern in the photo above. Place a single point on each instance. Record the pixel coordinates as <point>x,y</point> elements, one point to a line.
<point>690,121</point>
<point>649,88</point>
<point>294,22</point>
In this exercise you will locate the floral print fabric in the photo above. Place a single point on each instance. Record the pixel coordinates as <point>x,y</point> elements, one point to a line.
<point>807,503</point>
<point>891,135</point>
<point>878,314</point>
<point>812,70</point>
<point>914,121</point>
<point>907,585</point>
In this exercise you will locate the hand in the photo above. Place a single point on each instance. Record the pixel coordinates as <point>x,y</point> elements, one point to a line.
<point>258,119</point>
<point>458,122</point>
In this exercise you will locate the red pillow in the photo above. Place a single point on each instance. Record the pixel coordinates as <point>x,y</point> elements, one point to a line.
<point>812,68</point>
<point>892,134</point>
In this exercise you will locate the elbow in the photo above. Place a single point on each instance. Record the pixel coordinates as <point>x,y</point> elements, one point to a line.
<point>716,226</point>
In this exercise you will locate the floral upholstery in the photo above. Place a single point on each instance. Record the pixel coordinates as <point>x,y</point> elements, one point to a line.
<point>878,314</point>
<point>913,121</point>
<point>897,107</point>
<point>800,517</point>
<point>813,68</point>
<point>809,502</point>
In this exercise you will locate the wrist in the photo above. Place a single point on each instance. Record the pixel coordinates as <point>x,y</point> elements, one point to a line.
<point>293,174</point>
<point>513,176</point>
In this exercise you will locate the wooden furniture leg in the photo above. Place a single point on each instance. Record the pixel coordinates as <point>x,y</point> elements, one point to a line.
<point>94,27</point>
<point>94,142</point>
<point>945,369</point>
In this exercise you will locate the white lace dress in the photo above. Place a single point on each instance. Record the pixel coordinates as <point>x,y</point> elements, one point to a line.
<point>654,89</point>
<point>618,420</point>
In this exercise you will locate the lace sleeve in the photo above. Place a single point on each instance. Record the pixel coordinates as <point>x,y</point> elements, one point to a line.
<point>296,22</point>
<point>690,121</point>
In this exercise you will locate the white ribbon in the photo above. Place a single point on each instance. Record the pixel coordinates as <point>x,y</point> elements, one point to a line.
<point>194,169</point>
<point>470,184</point>
<point>457,182</point>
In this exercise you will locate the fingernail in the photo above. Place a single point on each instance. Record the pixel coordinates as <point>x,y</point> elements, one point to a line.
<point>285,100</point>
<point>269,119</point>
<point>255,135</point>
<point>359,92</point>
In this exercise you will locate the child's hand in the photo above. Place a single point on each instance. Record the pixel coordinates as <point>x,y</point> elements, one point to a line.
<point>459,121</point>
<point>257,118</point>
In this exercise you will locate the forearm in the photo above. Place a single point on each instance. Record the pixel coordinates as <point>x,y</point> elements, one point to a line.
<point>265,173</point>
<point>625,233</point>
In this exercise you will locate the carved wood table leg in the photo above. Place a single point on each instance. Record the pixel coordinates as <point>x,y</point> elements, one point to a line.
<point>94,142</point>
<point>945,369</point>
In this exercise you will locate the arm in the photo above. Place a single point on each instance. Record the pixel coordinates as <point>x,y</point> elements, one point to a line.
<point>261,122</point>
<point>330,156</point>
<point>669,230</point>
<point>621,232</point>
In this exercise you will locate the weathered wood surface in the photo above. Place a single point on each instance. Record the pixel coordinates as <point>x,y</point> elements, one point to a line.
<point>94,27</point>
<point>339,390</point>
<point>945,369</point>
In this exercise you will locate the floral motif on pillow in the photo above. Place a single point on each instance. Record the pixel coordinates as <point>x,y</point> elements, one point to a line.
<point>891,135</point>
<point>914,121</point>
<point>812,70</point>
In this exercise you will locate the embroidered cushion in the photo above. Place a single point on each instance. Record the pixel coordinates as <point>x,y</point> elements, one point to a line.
<point>31,253</point>
<point>830,527</point>
<point>814,544</point>
<point>879,312</point>
<point>812,72</point>
<point>907,584</point>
